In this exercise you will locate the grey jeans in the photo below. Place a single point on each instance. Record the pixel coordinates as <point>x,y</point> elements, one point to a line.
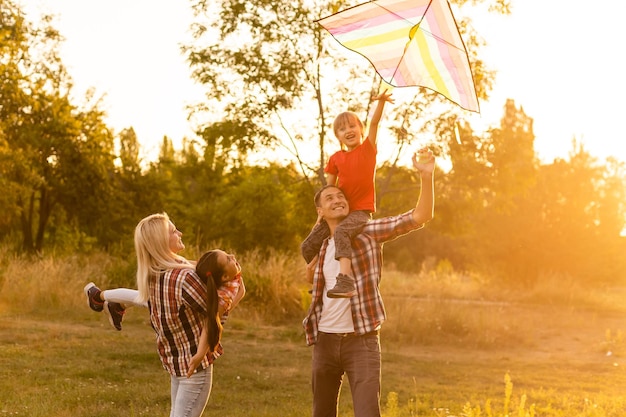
<point>190,395</point>
<point>356,356</point>
<point>344,233</point>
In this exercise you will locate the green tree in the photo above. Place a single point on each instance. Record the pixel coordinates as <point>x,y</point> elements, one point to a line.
<point>516,221</point>
<point>61,157</point>
<point>258,208</point>
<point>460,194</point>
<point>273,77</point>
<point>129,153</point>
<point>503,240</point>
<point>582,215</point>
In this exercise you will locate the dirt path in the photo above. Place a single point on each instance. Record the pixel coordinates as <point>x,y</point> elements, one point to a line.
<point>543,333</point>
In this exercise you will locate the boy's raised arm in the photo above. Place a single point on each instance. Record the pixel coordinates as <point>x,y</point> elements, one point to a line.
<point>378,112</point>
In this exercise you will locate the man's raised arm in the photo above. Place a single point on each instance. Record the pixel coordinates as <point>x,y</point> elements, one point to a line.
<point>424,163</point>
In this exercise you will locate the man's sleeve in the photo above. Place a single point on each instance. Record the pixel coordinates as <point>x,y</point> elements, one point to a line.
<point>392,227</point>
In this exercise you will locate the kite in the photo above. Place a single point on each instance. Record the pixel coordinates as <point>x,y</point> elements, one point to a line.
<point>409,43</point>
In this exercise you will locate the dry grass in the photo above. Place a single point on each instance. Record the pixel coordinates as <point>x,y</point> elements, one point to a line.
<point>449,340</point>
<point>32,284</point>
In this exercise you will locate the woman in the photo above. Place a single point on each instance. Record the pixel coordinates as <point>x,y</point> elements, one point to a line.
<point>186,306</point>
<point>181,305</point>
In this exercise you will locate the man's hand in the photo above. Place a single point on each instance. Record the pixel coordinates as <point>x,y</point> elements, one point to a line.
<point>310,269</point>
<point>424,163</point>
<point>424,160</point>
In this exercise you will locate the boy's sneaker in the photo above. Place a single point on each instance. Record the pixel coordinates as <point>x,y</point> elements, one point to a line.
<point>115,313</point>
<point>91,291</point>
<point>344,287</point>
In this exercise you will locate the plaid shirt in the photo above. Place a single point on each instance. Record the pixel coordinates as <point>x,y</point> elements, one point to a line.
<point>368,311</point>
<point>227,292</point>
<point>177,300</point>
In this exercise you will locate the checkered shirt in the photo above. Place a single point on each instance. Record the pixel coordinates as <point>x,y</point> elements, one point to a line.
<point>177,301</point>
<point>368,311</point>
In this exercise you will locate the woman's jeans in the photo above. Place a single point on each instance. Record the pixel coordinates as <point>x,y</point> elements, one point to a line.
<point>190,395</point>
<point>356,356</point>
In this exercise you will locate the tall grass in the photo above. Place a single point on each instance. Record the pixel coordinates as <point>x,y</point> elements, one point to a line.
<point>275,285</point>
<point>449,339</point>
<point>430,306</point>
<point>31,283</point>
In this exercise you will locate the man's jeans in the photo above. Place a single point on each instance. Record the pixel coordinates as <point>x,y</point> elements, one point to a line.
<point>356,356</point>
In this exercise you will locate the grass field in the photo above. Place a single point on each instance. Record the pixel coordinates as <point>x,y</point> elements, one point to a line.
<point>442,356</point>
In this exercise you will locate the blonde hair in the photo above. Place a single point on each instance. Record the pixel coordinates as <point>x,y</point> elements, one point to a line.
<point>345,118</point>
<point>154,255</point>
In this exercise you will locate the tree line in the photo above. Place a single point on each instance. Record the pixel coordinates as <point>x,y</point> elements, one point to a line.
<point>72,183</point>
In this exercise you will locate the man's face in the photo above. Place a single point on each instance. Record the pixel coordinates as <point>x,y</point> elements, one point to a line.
<point>333,204</point>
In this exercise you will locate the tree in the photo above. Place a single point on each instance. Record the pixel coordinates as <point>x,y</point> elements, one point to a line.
<point>582,215</point>
<point>517,221</point>
<point>501,223</point>
<point>273,77</point>
<point>61,155</point>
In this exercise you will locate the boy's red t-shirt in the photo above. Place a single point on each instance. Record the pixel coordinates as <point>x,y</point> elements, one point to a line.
<point>355,171</point>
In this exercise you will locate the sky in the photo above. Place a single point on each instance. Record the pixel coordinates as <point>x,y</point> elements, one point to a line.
<point>558,59</point>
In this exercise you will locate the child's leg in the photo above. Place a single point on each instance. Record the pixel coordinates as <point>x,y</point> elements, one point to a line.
<point>112,302</point>
<point>345,232</point>
<point>124,296</point>
<point>313,242</point>
<point>117,301</point>
<point>345,266</point>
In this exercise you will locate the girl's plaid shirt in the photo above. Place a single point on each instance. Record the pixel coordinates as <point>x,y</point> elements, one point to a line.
<point>368,311</point>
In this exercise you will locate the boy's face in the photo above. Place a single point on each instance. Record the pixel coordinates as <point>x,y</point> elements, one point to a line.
<point>350,133</point>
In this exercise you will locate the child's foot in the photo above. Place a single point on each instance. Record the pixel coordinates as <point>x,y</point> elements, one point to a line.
<point>92,292</point>
<point>344,287</point>
<point>115,311</point>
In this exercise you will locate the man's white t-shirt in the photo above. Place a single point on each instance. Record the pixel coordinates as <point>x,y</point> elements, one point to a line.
<point>336,314</point>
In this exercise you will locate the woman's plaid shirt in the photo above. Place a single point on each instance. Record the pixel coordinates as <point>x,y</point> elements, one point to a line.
<point>368,311</point>
<point>177,302</point>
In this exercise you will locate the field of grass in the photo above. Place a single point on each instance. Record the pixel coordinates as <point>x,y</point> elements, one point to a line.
<point>448,348</point>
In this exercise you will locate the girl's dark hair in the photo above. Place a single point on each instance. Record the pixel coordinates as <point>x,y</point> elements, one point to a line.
<point>211,273</point>
<point>208,268</point>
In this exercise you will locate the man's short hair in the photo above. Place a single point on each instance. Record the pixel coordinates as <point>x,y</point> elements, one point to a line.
<point>318,194</point>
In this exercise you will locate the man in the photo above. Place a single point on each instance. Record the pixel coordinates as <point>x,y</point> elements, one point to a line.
<point>344,331</point>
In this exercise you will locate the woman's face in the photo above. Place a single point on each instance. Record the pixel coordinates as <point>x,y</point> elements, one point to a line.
<point>229,264</point>
<point>175,239</point>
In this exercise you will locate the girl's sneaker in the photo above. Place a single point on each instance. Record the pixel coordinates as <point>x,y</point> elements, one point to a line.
<point>91,291</point>
<point>115,311</point>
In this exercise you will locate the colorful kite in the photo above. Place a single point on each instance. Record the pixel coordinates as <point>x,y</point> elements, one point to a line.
<point>410,43</point>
